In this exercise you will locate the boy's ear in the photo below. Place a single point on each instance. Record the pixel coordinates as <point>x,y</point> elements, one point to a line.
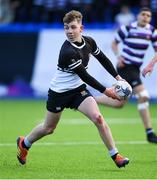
<point>82,28</point>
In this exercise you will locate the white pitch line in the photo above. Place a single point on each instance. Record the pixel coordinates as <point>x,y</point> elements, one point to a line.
<point>73,143</point>
<point>109,121</point>
<point>85,121</point>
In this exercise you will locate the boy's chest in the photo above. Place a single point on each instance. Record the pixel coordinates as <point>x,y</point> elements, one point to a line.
<point>84,54</point>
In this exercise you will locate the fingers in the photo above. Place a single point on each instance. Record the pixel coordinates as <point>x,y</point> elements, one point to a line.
<point>110,92</point>
<point>143,74</point>
<point>114,96</point>
<point>146,73</point>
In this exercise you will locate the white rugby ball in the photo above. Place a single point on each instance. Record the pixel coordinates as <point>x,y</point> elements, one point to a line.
<point>123,89</point>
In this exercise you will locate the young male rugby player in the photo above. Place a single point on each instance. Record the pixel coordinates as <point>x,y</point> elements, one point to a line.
<point>135,40</point>
<point>68,89</point>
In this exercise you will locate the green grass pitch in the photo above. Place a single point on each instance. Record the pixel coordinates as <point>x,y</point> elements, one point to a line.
<point>75,150</point>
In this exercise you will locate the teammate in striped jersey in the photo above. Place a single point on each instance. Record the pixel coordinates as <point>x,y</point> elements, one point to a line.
<point>135,40</point>
<point>68,89</point>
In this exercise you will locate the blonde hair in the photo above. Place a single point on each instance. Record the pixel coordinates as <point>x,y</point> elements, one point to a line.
<point>73,15</point>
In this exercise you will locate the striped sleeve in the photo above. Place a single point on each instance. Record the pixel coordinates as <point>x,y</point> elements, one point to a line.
<point>121,34</point>
<point>154,39</point>
<point>96,52</point>
<point>95,48</point>
<point>70,59</point>
<point>74,64</point>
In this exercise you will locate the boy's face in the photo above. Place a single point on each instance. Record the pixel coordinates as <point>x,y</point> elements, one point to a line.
<point>144,18</point>
<point>73,31</point>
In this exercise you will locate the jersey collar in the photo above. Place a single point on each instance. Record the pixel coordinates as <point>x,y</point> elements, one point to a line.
<point>79,47</point>
<point>135,25</point>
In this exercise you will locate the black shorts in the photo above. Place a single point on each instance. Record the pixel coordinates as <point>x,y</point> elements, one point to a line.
<point>131,73</point>
<point>56,102</point>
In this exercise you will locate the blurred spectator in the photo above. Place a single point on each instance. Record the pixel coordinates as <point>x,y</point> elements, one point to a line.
<point>99,7</point>
<point>88,11</point>
<point>49,11</point>
<point>37,11</point>
<point>74,4</point>
<point>6,12</point>
<point>144,3</point>
<point>111,10</point>
<point>22,10</point>
<point>125,16</point>
<point>60,10</point>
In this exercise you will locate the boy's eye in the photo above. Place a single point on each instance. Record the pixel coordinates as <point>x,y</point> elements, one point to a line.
<point>73,27</point>
<point>65,27</point>
<point>148,15</point>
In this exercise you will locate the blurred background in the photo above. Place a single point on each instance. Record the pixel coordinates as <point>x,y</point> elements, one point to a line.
<point>31,34</point>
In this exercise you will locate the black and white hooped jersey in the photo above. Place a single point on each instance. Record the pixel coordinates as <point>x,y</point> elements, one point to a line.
<point>72,64</point>
<point>135,41</point>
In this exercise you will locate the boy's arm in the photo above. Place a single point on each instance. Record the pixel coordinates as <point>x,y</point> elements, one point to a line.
<point>150,66</point>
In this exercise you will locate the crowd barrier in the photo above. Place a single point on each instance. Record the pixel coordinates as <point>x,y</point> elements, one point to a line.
<point>32,56</point>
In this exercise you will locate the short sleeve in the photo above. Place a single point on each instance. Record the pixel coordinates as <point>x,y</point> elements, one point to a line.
<point>94,47</point>
<point>69,60</point>
<point>121,34</point>
<point>154,39</point>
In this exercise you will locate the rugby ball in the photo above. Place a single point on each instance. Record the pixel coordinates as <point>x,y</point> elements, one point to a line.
<point>123,89</point>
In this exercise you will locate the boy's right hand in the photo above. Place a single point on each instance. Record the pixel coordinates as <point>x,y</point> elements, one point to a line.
<point>110,92</point>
